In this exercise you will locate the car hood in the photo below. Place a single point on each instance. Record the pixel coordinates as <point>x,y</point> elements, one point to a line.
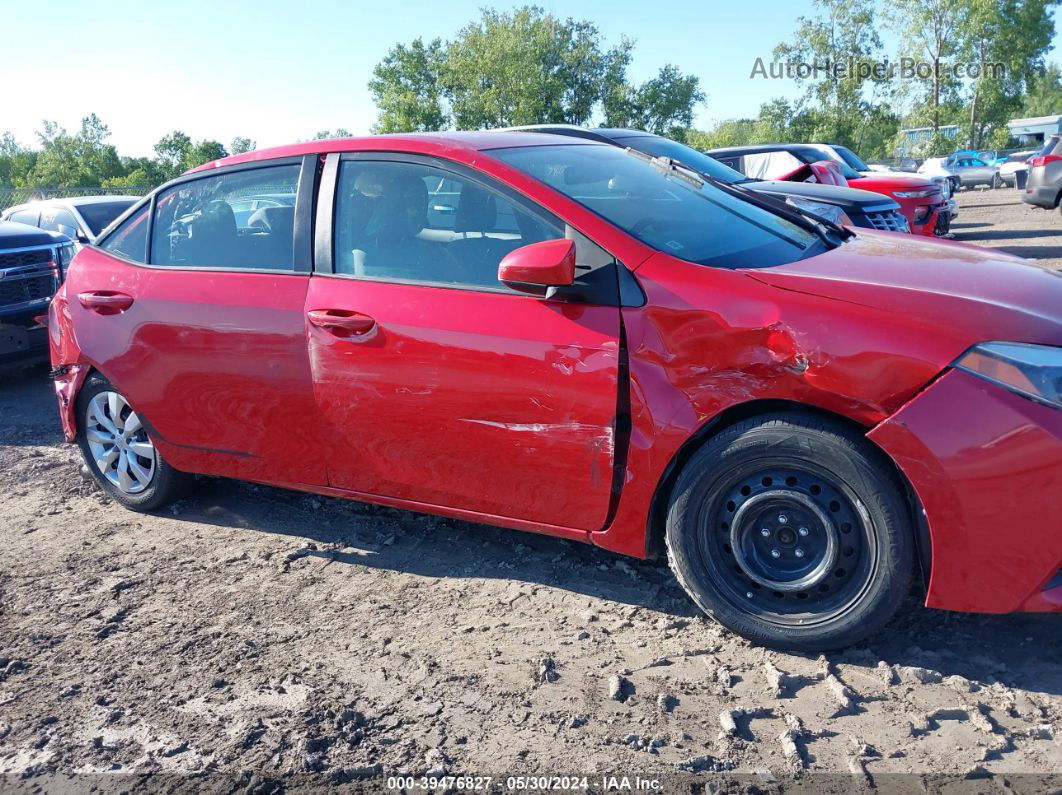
<point>879,181</point>
<point>965,292</point>
<point>827,194</point>
<point>16,235</point>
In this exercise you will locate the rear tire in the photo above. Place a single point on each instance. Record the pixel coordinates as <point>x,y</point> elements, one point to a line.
<point>118,453</point>
<point>791,530</point>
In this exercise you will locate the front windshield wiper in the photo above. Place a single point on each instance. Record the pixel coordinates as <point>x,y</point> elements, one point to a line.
<point>805,219</point>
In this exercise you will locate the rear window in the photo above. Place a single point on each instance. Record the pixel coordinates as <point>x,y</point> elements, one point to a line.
<point>669,211</point>
<point>99,215</point>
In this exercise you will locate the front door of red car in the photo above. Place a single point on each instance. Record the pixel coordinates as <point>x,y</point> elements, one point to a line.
<point>439,385</point>
<point>203,329</point>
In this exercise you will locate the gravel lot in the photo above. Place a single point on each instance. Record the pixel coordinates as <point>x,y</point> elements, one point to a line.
<point>253,629</point>
<point>1000,219</point>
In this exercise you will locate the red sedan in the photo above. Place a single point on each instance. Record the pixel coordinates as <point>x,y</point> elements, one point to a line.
<point>568,338</point>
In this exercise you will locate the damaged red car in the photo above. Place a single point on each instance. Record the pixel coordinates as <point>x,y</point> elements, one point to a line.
<point>567,338</point>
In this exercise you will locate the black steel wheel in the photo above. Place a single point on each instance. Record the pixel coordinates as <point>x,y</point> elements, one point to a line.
<point>792,530</point>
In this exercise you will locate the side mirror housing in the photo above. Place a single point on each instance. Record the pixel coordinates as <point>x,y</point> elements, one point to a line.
<point>537,267</point>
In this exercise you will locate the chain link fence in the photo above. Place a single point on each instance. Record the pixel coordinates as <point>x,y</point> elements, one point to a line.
<point>12,196</point>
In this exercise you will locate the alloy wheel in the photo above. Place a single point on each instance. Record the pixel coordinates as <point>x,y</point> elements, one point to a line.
<point>118,442</point>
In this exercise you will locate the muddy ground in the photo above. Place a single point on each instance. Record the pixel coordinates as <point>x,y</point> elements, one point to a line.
<point>253,633</point>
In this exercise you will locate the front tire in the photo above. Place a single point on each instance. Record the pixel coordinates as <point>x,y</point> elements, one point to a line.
<point>791,531</point>
<point>118,452</point>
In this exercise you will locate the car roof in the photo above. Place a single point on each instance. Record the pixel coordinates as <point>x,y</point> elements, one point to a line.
<point>763,148</point>
<point>590,133</point>
<point>74,201</point>
<point>431,143</point>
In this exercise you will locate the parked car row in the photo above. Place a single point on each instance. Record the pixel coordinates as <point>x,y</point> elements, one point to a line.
<point>603,338</point>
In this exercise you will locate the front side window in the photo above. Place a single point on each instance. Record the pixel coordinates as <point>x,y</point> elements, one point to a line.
<point>197,225</point>
<point>668,211</point>
<point>130,239</point>
<point>408,222</point>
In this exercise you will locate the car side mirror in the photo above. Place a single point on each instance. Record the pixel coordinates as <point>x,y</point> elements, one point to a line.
<point>537,267</point>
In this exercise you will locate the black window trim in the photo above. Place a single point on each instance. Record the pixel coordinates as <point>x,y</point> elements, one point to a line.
<point>302,236</point>
<point>623,290</point>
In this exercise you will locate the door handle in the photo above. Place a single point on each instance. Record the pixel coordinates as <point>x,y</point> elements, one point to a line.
<point>106,302</point>
<point>341,322</point>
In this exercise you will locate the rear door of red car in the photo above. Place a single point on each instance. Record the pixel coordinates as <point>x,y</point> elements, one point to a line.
<point>203,329</point>
<point>444,387</point>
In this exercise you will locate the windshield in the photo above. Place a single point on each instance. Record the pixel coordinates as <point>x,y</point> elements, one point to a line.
<point>851,158</point>
<point>668,211</point>
<point>664,147</point>
<point>99,214</point>
<point>814,154</point>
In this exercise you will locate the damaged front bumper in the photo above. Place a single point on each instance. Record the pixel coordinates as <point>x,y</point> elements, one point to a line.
<point>986,465</point>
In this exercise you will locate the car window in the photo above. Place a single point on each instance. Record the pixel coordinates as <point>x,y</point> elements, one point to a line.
<point>196,225</point>
<point>977,163</point>
<point>770,165</point>
<point>59,219</point>
<point>99,215</point>
<point>415,223</point>
<point>25,217</point>
<point>130,239</point>
<point>667,210</point>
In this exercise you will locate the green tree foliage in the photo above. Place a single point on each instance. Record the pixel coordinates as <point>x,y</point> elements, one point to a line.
<point>524,67</point>
<point>1043,97</point>
<point>83,159</point>
<point>241,145</point>
<point>931,31</point>
<point>842,34</point>
<point>177,153</point>
<point>322,135</point>
<point>1016,34</point>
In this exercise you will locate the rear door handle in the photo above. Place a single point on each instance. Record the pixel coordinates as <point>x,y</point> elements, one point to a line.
<point>106,302</point>
<point>341,322</point>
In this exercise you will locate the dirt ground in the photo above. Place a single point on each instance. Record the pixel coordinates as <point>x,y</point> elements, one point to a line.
<point>252,633</point>
<point>1000,219</point>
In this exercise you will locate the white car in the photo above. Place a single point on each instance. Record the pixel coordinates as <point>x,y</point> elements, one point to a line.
<point>1013,164</point>
<point>80,218</point>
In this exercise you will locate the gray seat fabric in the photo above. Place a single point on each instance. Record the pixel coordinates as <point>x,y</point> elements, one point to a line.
<point>213,239</point>
<point>477,255</point>
<point>275,248</point>
<point>391,248</point>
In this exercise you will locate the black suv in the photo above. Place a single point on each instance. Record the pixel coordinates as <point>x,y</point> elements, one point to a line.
<point>840,205</point>
<point>31,269</point>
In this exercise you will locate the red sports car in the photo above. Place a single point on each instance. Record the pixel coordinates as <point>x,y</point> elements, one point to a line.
<point>572,339</point>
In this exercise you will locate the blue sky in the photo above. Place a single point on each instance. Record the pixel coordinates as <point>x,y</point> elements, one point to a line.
<point>277,71</point>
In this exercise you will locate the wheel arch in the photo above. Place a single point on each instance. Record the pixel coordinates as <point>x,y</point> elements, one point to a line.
<point>654,540</point>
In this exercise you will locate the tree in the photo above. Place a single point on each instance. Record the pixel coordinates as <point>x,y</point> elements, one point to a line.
<point>841,37</point>
<point>16,161</point>
<point>1043,95</point>
<point>524,67</point>
<point>176,153</point>
<point>80,160</point>
<point>663,105</point>
<point>1007,41</point>
<point>241,145</point>
<point>405,86</point>
<point>931,30</point>
<point>340,132</point>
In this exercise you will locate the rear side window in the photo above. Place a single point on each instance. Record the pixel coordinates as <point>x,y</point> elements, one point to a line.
<point>57,219</point>
<point>240,220</point>
<point>25,217</point>
<point>130,239</point>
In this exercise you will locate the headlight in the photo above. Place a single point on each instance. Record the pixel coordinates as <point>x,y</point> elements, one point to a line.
<point>914,194</point>
<point>1034,371</point>
<point>830,212</point>
<point>945,186</point>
